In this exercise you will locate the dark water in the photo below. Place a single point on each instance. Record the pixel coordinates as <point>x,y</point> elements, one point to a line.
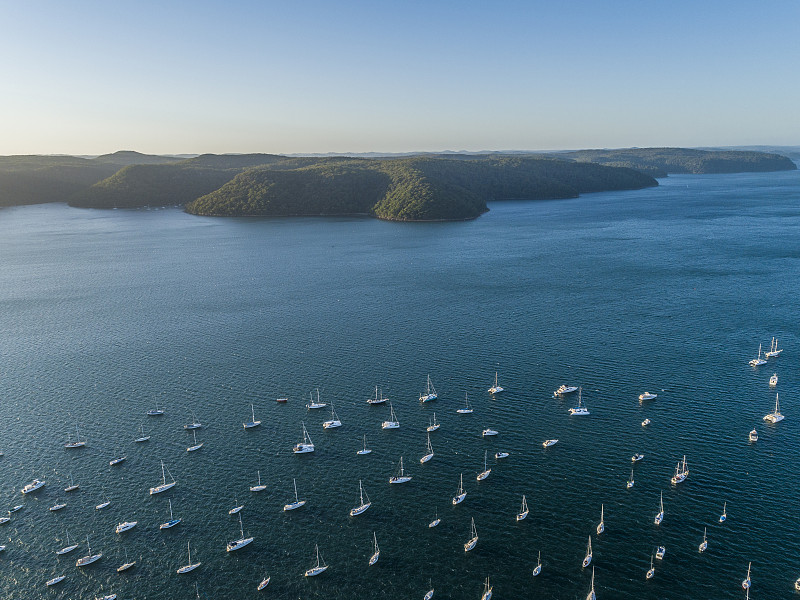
<point>105,314</point>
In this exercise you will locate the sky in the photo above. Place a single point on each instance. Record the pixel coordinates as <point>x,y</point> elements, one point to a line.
<point>174,77</point>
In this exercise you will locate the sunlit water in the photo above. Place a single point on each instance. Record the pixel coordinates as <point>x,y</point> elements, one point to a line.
<point>105,314</point>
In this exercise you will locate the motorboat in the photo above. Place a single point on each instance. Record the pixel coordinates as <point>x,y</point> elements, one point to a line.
<point>548,443</point>
<point>565,389</point>
<point>499,455</point>
<point>660,552</point>
<point>647,396</point>
<point>773,381</point>
<point>36,484</point>
<point>57,506</point>
<point>753,435</point>
<point>488,432</point>
<point>125,526</point>
<point>281,400</point>
<point>637,457</point>
<point>646,422</point>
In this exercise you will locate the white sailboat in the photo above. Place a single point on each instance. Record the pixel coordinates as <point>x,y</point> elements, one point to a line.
<point>57,506</point>
<point>433,425</point>
<point>401,477</point>
<point>486,470</point>
<point>681,472</point>
<point>320,567</point>
<point>264,583</point>
<point>581,408</point>
<point>306,445</point>
<point>297,502</point>
<point>72,485</point>
<point>117,461</point>
<point>104,503</point>
<point>155,412</point>
<point>190,566</point>
<point>704,544</point>
<point>601,526</point>
<point>588,558</point>
<point>651,571</point>
<point>773,381</point>
<point>78,443</point>
<point>429,454</point>
<point>252,423</point>
<point>241,542</point>
<point>172,520</point>
<point>436,520</point>
<point>660,515</point>
<point>467,410</point>
<point>758,361</point>
<point>523,511</point>
<point>195,446</point>
<point>259,487</point>
<point>363,504</point>
<point>89,558</point>
<point>392,423</point>
<point>430,392</point>
<point>724,516</point>
<point>334,420</point>
<point>487,590</point>
<point>473,537</point>
<point>236,506</point>
<point>314,405</point>
<point>775,416</point>
<point>195,424</point>
<point>538,568</point>
<point>495,389</point>
<point>377,399</point>
<point>142,437</point>
<point>591,595</point>
<point>376,552</point>
<point>773,349</point>
<point>55,580</point>
<point>746,582</point>
<point>629,485</point>
<point>68,548</point>
<point>364,450</point>
<point>429,594</point>
<point>127,564</point>
<point>460,493</point>
<point>163,486</point>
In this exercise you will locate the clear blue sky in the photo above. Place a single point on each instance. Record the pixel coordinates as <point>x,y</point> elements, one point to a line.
<point>343,76</point>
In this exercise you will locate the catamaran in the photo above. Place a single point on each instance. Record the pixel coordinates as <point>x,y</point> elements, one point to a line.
<point>487,590</point>
<point>33,486</point>
<point>142,437</point>
<point>155,412</point>
<point>704,544</point>
<point>773,381</point>
<point>241,542</point>
<point>460,493</point>
<point>523,511</point>
<point>376,552</point>
<point>651,571</point>
<point>163,486</point>
<point>78,443</point>
<point>581,408</point>
<point>334,420</point>
<point>259,487</point>
<point>660,515</point>
<point>376,399</point>
<point>467,410</point>
<point>252,423</point>
<point>538,568</point>
<point>436,520</point>
<point>392,423</point>
<point>127,564</point>
<point>758,361</point>
<point>297,502</point>
<point>681,472</point>
<point>433,425</point>
<point>401,477</point>
<point>68,548</point>
<point>565,389</point>
<point>172,520</point>
<point>320,567</point>
<point>601,526</point>
<point>430,392</point>
<point>495,389</point>
<point>195,424</point>
<point>364,450</point>
<point>588,558</point>
<point>72,485</point>
<point>775,416</point>
<point>429,454</point>
<point>125,526</point>
<point>363,504</point>
<point>89,558</point>
<point>306,445</point>
<point>195,445</point>
<point>773,349</point>
<point>313,405</point>
<point>473,537</point>
<point>189,566</point>
<point>485,473</point>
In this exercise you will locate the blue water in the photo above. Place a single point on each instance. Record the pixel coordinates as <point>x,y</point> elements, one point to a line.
<point>103,314</point>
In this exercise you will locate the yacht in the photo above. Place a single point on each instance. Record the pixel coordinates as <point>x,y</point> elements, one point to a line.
<point>495,389</point>
<point>297,502</point>
<point>264,583</point>
<point>314,405</point>
<point>241,542</point>
<point>376,552</point>
<point>587,560</point>
<point>473,537</point>
<point>363,504</point>
<point>753,435</point>
<point>125,526</point>
<point>724,516</point>
<point>630,481</point>
<point>392,423</point>
<point>142,437</point>
<point>430,392</point>
<point>89,558</point>
<point>252,423</point>
<point>704,544</point>
<point>33,486</point>
<point>460,493</point>
<point>565,389</point>
<point>306,445</point>
<point>523,511</point>
<point>660,515</point>
<point>190,566</point>
<point>646,422</point>
<point>773,349</point>
<point>195,446</point>
<point>647,396</point>
<point>401,477</point>
<point>746,582</point>
<point>68,548</point>
<point>773,381</point>
<point>652,570</point>
<point>775,416</point>
<point>163,486</point>
<point>758,361</point>
<point>195,424</point>
<point>499,455</point>
<point>660,552</point>
<point>259,487</point>
<point>334,420</point>
<point>155,412</point>
<point>320,567</point>
<point>637,457</point>
<point>126,565</point>
<point>78,443</point>
<point>601,526</point>
<point>435,522</point>
<point>538,568</point>
<point>467,410</point>
<point>591,595</point>
<point>364,450</point>
<point>172,520</point>
<point>681,472</point>
<point>433,425</point>
<point>429,453</point>
<point>548,443</point>
<point>377,399</point>
<point>488,432</point>
<point>57,506</point>
<point>485,473</point>
<point>581,408</point>
<point>55,580</point>
<point>487,590</point>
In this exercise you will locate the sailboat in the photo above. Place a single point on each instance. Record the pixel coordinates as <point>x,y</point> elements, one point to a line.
<point>306,445</point>
<point>433,425</point>
<point>487,590</point>
<point>142,437</point>
<point>392,423</point>
<point>601,526</point>
<point>495,389</point>
<point>429,593</point>
<point>773,349</point>
<point>55,580</point>
<point>773,381</point>
<point>724,516</point>
<point>430,392</point>
<point>681,472</point>
<point>429,454</point>
<point>538,568</point>
<point>364,450</point>
<point>195,424</point>
<point>68,548</point>
<point>363,504</point>
<point>163,486</point>
<point>57,506</point>
<point>194,446</point>
<point>473,537</point>
<point>485,473</point>
<point>313,405</point>
<point>334,420</point>
<point>259,487</point>
<point>72,486</point>
<point>253,422</point>
<point>242,541</point>
<point>190,566</point>
<point>320,567</point>
<point>126,565</point>
<point>376,399</point>
<point>78,443</point>
<point>629,485</point>
<point>104,503</point>
<point>758,361</point>
<point>704,544</point>
<point>89,558</point>
<point>581,408</point>
<point>660,515</point>
<point>401,477</point>
<point>467,410</point>
<point>460,493</point>
<point>297,502</point>
<point>746,582</point>
<point>523,511</point>
<point>237,507</point>
<point>376,551</point>
<point>172,520</point>
<point>775,416</point>
<point>117,461</point>
<point>591,595</point>
<point>155,412</point>
<point>651,571</point>
<point>435,522</point>
<point>264,583</point>
<point>588,558</point>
